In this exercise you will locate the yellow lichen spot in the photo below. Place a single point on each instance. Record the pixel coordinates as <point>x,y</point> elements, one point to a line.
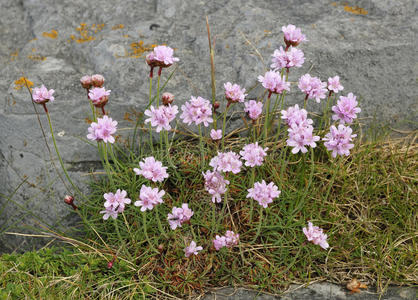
<point>23,82</point>
<point>37,57</point>
<point>14,55</point>
<point>34,39</point>
<point>86,32</point>
<point>52,35</point>
<point>119,26</point>
<point>137,49</point>
<point>355,10</point>
<point>33,50</point>
<point>334,3</point>
<point>126,35</point>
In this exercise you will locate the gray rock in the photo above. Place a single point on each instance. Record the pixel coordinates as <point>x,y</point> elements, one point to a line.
<point>373,53</point>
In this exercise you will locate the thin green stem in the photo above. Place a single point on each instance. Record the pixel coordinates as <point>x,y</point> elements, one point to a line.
<point>252,179</point>
<point>266,118</point>
<point>224,125</point>
<point>202,150</point>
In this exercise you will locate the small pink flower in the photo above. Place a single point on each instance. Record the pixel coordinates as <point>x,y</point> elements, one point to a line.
<point>161,117</point>
<point>152,169</point>
<point>216,134</point>
<point>226,162</point>
<point>346,109</point>
<point>292,35</point>
<point>253,154</point>
<point>99,96</point>
<point>315,235</point>
<point>192,249</point>
<point>161,56</point>
<point>338,140</point>
<point>41,95</point>
<point>219,242</point>
<point>179,216</point>
<point>109,212</point>
<point>301,136</point>
<point>313,87</point>
<point>215,184</point>
<point>234,93</point>
<point>197,110</point>
<point>229,240</point>
<point>263,193</point>
<point>334,84</point>
<point>253,109</point>
<point>287,59</point>
<point>97,80</point>
<point>274,82</point>
<point>86,82</point>
<point>295,115</point>
<point>102,130</point>
<point>149,197</point>
<point>116,201</point>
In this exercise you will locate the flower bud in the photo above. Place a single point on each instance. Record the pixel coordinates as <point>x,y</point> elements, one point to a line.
<point>86,82</point>
<point>216,105</point>
<point>70,201</point>
<point>167,98</point>
<point>97,80</point>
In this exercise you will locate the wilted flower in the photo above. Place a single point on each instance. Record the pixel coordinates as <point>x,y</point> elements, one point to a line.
<point>315,235</point>
<point>97,80</point>
<point>313,87</point>
<point>152,169</point>
<point>263,193</point>
<point>70,201</point>
<point>253,154</point>
<point>234,93</point>
<point>167,98</point>
<point>334,84</point>
<point>161,116</point>
<point>346,109</point>
<point>192,249</point>
<point>197,110</point>
<point>149,197</point>
<point>338,140</point>
<point>99,96</point>
<point>41,95</point>
<point>287,59</point>
<point>215,184</point>
<point>253,109</point>
<point>226,162</point>
<point>292,35</point>
<point>86,82</point>
<point>179,215</point>
<point>274,82</point>
<point>216,134</point>
<point>102,130</point>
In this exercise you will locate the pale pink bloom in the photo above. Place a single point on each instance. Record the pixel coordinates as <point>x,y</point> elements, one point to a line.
<point>231,238</point>
<point>226,162</point>
<point>102,130</point>
<point>334,84</point>
<point>219,242</point>
<point>149,197</point>
<point>97,80</point>
<point>86,81</point>
<point>315,235</point>
<point>338,140</point>
<point>234,93</point>
<point>253,109</point>
<point>41,95</point>
<point>253,154</point>
<point>274,82</point>
<point>117,200</point>
<point>301,136</point>
<point>152,169</point>
<point>216,134</point>
<point>161,117</point>
<point>197,110</point>
<point>263,193</point>
<point>99,95</point>
<point>287,59</point>
<point>346,109</point>
<point>161,56</point>
<point>192,249</point>
<point>109,212</point>
<point>313,87</point>
<point>295,115</point>
<point>179,215</point>
<point>292,35</point>
<point>215,184</point>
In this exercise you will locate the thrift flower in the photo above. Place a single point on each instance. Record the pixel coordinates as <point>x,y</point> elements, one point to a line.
<point>167,98</point>
<point>287,59</point>
<point>161,117</point>
<point>216,134</point>
<point>197,110</point>
<point>253,109</point>
<point>338,140</point>
<point>219,242</point>
<point>149,197</point>
<point>226,162</point>
<point>234,93</point>
<point>229,240</point>
<point>315,235</point>
<point>312,87</point>
<point>109,212</point>
<point>253,154</point>
<point>192,249</point>
<point>334,84</point>
<point>152,169</point>
<point>292,35</point>
<point>300,137</point>
<point>215,184</point>
<point>295,115</point>
<point>263,193</point>
<point>99,96</point>
<point>86,82</point>
<point>274,82</point>
<point>346,109</point>
<point>97,80</point>
<point>41,95</point>
<point>102,130</point>
<point>179,216</point>
<point>117,200</point>
<point>161,56</point>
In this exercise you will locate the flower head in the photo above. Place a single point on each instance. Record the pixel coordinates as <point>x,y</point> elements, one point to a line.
<point>263,193</point>
<point>229,240</point>
<point>109,212</point>
<point>219,242</point>
<point>192,249</point>
<point>253,154</point>
<point>234,93</point>
<point>273,82</point>
<point>346,109</point>
<point>215,184</point>
<point>197,110</point>
<point>116,201</point>
<point>226,162</point>
<point>313,87</point>
<point>179,215</point>
<point>99,96</point>
<point>315,235</point>
<point>167,98</point>
<point>287,59</point>
<point>216,134</point>
<point>339,139</point>
<point>97,80</point>
<point>41,95</point>
<point>334,84</point>
<point>295,115</point>
<point>161,56</point>
<point>301,136</point>
<point>102,130</point>
<point>292,35</point>
<point>86,82</point>
<point>152,169</point>
<point>253,109</point>
<point>162,116</point>
<point>149,197</point>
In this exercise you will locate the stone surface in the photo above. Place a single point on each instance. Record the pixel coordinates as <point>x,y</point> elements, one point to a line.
<point>372,49</point>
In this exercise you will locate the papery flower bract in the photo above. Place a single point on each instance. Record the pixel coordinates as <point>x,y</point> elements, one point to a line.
<point>102,130</point>
<point>334,84</point>
<point>179,216</point>
<point>219,242</point>
<point>197,110</point>
<point>234,93</point>
<point>253,154</point>
<point>99,96</point>
<point>313,87</point>
<point>192,249</point>
<point>161,56</point>
<point>226,162</point>
<point>216,134</point>
<point>293,36</point>
<point>41,95</point>
<point>109,212</point>
<point>117,200</point>
<point>161,117</point>
<point>338,140</point>
<point>253,109</point>
<point>263,193</point>
<point>86,82</point>
<point>346,109</point>
<point>97,80</point>
<point>273,82</point>
<point>215,184</point>
<point>315,235</point>
<point>152,169</point>
<point>287,59</point>
<point>149,197</point>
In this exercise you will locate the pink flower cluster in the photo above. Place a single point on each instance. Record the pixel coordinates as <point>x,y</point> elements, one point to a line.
<point>114,204</point>
<point>226,162</point>
<point>99,96</point>
<point>152,169</point>
<point>234,93</point>
<point>315,235</point>
<point>41,95</point>
<point>149,197</point>
<point>228,240</point>
<point>192,249</point>
<point>179,215</point>
<point>197,110</point>
<point>293,36</point>
<point>334,84</point>
<point>273,82</point>
<point>215,184</point>
<point>338,140</point>
<point>253,154</point>
<point>313,87</point>
<point>253,109</point>
<point>263,193</point>
<point>346,109</point>
<point>161,56</point>
<point>296,116</point>
<point>287,59</point>
<point>216,134</point>
<point>162,116</point>
<point>102,130</point>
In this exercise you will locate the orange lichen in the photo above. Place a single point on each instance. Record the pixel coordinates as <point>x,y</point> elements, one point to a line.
<point>52,35</point>
<point>355,10</point>
<point>85,33</point>
<point>138,49</point>
<point>14,55</point>
<point>119,26</point>
<point>23,82</point>
<point>126,35</point>
<point>34,39</point>
<point>334,3</point>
